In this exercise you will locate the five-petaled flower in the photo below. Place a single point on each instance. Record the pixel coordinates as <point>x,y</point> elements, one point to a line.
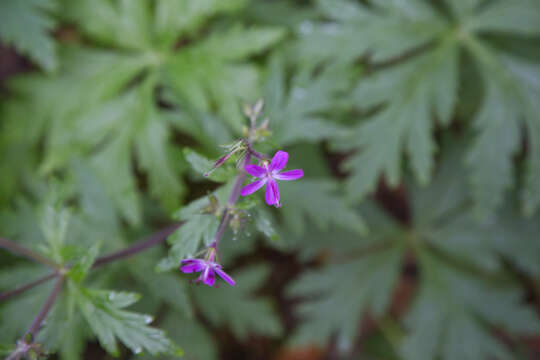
<point>268,174</point>
<point>208,269</point>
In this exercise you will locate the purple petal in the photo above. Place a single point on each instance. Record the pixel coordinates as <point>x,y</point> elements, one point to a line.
<point>251,188</point>
<point>254,170</point>
<point>272,193</point>
<point>289,175</point>
<point>192,265</point>
<point>208,276</point>
<point>225,276</point>
<point>279,161</point>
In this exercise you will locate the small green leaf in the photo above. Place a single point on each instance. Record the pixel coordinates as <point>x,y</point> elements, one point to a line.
<point>103,312</point>
<point>187,239</point>
<point>81,267</point>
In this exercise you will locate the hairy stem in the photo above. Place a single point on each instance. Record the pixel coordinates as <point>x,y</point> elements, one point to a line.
<point>21,250</point>
<point>38,320</point>
<point>154,239</point>
<point>11,293</point>
<point>255,153</point>
<point>233,198</point>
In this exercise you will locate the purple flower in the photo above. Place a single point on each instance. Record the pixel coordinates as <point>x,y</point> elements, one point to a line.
<point>268,175</point>
<point>208,269</point>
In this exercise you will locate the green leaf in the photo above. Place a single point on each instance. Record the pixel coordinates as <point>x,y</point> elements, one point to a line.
<point>65,330</point>
<point>54,221</point>
<point>187,239</point>
<point>386,30</point>
<point>26,24</point>
<point>166,287</point>
<point>444,319</point>
<point>410,93</point>
<point>169,23</point>
<point>103,312</point>
<point>80,269</point>
<point>263,223</point>
<point>342,292</point>
<point>121,73</point>
<point>198,228</point>
<point>18,313</point>
<point>221,305</point>
<point>155,153</point>
<point>319,201</point>
<point>123,23</point>
<point>509,99</point>
<point>295,113</point>
<point>497,121</point>
<point>192,336</point>
<point>112,166</point>
<point>518,17</point>
<point>212,71</point>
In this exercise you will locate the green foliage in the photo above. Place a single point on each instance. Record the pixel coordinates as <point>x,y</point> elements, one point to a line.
<point>26,25</point>
<point>296,113</point>
<point>464,286</point>
<point>103,312</point>
<point>339,302</point>
<point>198,228</point>
<point>221,306</point>
<point>419,93</point>
<point>416,124</point>
<point>448,315</point>
<point>121,87</point>
<point>319,201</point>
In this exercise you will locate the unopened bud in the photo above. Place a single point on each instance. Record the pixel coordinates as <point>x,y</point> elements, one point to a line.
<point>218,163</point>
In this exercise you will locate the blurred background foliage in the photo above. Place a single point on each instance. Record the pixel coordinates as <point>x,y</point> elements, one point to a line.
<point>414,235</point>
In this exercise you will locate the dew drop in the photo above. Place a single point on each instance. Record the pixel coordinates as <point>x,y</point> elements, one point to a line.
<point>112,296</point>
<point>137,350</point>
<point>148,319</point>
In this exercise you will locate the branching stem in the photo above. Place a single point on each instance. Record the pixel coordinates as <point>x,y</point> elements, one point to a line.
<point>11,293</point>
<point>38,320</point>
<point>32,255</point>
<point>154,239</point>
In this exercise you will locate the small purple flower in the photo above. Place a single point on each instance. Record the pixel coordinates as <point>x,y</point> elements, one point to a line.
<point>268,175</point>
<point>208,268</point>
